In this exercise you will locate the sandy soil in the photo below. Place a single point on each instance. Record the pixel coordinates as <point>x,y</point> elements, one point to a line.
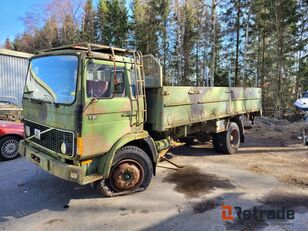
<point>271,147</point>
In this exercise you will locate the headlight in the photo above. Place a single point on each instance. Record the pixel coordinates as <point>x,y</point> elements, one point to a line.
<point>27,130</point>
<point>63,147</point>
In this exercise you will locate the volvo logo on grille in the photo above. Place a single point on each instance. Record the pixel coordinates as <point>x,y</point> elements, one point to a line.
<point>37,134</point>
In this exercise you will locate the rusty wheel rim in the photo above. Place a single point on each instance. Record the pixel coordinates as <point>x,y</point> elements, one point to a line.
<point>234,138</point>
<point>126,175</point>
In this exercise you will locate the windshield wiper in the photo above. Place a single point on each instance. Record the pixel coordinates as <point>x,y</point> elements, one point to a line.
<point>28,92</point>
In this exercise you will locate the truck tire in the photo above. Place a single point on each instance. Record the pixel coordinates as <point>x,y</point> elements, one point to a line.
<point>131,171</point>
<point>231,139</point>
<point>217,142</point>
<point>9,147</point>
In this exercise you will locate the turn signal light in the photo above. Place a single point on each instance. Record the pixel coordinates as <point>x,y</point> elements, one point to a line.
<point>86,162</point>
<point>79,146</point>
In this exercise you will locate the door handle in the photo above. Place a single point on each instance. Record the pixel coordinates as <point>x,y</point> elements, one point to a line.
<point>126,114</point>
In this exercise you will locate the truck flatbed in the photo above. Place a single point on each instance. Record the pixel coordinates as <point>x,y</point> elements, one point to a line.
<point>173,106</point>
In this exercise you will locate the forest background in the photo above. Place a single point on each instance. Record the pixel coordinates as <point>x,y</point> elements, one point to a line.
<point>198,42</point>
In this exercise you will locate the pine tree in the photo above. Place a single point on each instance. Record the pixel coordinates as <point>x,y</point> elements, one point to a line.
<point>275,30</point>
<point>7,44</point>
<point>301,51</point>
<point>100,21</point>
<point>24,42</point>
<point>145,27</point>
<point>189,39</point>
<point>68,32</point>
<point>118,18</point>
<point>112,23</point>
<point>150,23</point>
<point>164,10</point>
<point>48,36</point>
<point>88,27</point>
<point>284,12</point>
<point>234,33</point>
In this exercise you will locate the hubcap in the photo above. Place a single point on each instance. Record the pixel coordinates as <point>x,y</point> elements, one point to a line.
<point>234,138</point>
<point>10,148</point>
<point>127,175</point>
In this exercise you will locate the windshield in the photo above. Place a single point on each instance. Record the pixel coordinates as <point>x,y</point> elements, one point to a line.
<point>52,79</point>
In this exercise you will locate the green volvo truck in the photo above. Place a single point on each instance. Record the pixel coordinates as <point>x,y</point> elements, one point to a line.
<point>95,113</point>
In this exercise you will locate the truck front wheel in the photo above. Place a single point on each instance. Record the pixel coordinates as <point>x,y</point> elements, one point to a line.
<point>131,171</point>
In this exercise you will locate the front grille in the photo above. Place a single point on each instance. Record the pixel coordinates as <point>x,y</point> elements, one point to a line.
<point>52,139</point>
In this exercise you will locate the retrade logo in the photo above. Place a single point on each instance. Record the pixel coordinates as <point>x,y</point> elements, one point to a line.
<point>255,213</point>
<point>227,213</point>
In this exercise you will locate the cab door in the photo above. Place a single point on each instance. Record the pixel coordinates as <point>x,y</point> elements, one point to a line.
<point>107,112</point>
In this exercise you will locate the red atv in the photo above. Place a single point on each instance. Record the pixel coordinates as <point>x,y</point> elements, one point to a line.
<point>10,134</point>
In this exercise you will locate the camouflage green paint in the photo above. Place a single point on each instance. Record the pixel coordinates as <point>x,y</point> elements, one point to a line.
<point>170,107</point>
<point>106,161</point>
<point>106,125</point>
<point>56,116</point>
<point>50,164</point>
<point>107,120</point>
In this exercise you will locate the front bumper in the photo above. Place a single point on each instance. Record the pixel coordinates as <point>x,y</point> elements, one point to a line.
<point>55,167</point>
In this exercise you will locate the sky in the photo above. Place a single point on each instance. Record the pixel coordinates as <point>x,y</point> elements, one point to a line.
<point>10,13</point>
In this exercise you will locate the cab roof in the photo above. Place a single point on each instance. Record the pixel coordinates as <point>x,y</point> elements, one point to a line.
<point>91,49</point>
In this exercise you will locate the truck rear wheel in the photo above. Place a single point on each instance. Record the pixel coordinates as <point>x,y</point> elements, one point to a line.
<point>217,142</point>
<point>229,141</point>
<point>131,171</point>
<point>9,147</point>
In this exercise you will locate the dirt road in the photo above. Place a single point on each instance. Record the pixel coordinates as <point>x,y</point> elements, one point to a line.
<point>270,172</point>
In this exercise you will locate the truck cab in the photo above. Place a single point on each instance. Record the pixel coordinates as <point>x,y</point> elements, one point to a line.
<point>84,108</point>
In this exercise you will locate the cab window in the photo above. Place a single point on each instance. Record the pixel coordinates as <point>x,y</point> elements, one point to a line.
<point>119,82</point>
<point>104,81</point>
